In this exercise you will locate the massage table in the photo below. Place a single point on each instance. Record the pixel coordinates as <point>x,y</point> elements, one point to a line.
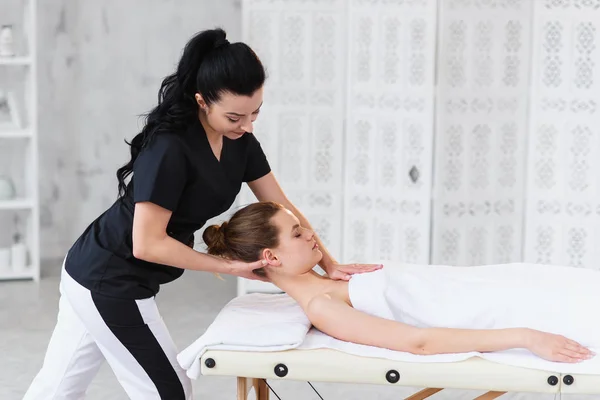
<point>260,337</point>
<point>253,369</point>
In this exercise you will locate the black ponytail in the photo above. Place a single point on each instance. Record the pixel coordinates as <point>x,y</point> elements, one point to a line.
<point>209,65</point>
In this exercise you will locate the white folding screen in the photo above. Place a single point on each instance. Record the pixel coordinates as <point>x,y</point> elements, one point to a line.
<point>301,123</point>
<point>389,130</point>
<point>563,196</point>
<point>365,186</point>
<point>481,129</point>
<point>301,44</point>
<point>348,119</point>
<point>456,132</point>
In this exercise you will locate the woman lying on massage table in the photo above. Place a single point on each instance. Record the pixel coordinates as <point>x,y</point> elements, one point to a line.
<point>419,309</point>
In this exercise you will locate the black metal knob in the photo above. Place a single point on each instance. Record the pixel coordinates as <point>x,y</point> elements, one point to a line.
<point>552,380</point>
<point>414,174</point>
<point>281,370</point>
<point>210,363</point>
<point>568,379</point>
<point>392,376</point>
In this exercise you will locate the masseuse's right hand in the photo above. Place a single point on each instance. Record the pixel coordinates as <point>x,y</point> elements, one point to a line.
<point>557,348</point>
<point>244,269</point>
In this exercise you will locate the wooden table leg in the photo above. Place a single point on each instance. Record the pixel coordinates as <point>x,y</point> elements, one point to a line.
<point>261,389</point>
<point>490,395</point>
<point>423,394</point>
<point>242,388</point>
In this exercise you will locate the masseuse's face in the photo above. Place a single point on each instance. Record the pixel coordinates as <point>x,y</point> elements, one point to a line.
<point>297,252</point>
<point>233,115</point>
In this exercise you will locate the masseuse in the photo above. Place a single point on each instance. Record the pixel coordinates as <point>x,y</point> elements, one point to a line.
<point>187,165</point>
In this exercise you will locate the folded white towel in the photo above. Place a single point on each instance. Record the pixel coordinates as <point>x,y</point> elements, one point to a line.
<point>252,322</point>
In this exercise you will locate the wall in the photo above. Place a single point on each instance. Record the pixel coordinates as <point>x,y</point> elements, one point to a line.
<point>100,66</point>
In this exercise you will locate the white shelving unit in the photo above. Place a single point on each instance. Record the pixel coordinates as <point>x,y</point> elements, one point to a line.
<point>24,142</point>
<point>16,204</point>
<point>15,134</point>
<point>16,61</point>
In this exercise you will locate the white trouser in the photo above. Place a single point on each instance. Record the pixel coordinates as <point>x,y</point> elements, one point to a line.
<point>129,334</point>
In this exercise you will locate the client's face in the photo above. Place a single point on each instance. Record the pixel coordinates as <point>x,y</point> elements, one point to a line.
<point>297,251</point>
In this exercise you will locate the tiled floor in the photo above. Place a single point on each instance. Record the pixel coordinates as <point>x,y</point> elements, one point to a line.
<point>28,313</point>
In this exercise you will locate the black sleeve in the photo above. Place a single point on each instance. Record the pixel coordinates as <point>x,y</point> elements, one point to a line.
<point>160,172</point>
<point>257,164</point>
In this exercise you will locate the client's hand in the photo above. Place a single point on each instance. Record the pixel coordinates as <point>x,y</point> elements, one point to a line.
<point>557,348</point>
<point>344,271</point>
<point>244,269</point>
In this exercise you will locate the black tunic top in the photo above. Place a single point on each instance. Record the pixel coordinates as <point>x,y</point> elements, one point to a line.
<point>180,173</point>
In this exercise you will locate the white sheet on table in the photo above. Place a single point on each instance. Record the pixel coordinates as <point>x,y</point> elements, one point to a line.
<point>252,322</point>
<point>517,357</point>
<point>550,298</point>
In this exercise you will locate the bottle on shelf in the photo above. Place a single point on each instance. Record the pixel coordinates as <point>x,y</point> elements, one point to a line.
<point>6,41</point>
<point>7,188</point>
<point>18,254</point>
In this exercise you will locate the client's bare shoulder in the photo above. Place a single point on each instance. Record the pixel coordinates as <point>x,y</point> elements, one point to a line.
<point>339,291</point>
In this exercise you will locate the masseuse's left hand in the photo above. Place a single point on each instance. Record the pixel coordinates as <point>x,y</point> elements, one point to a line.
<point>345,271</point>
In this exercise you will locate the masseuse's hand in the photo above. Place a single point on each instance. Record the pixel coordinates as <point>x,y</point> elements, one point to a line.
<point>244,269</point>
<point>345,271</point>
<point>557,348</point>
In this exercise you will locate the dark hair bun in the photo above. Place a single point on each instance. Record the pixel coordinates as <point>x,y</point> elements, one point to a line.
<point>214,237</point>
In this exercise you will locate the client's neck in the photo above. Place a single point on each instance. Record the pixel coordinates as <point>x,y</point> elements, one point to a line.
<point>300,287</point>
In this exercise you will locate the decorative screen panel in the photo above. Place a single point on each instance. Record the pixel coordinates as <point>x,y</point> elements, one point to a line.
<point>481,111</point>
<point>301,44</point>
<point>563,192</point>
<point>389,130</point>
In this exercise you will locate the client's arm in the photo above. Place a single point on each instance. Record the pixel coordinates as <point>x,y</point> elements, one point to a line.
<point>337,319</point>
